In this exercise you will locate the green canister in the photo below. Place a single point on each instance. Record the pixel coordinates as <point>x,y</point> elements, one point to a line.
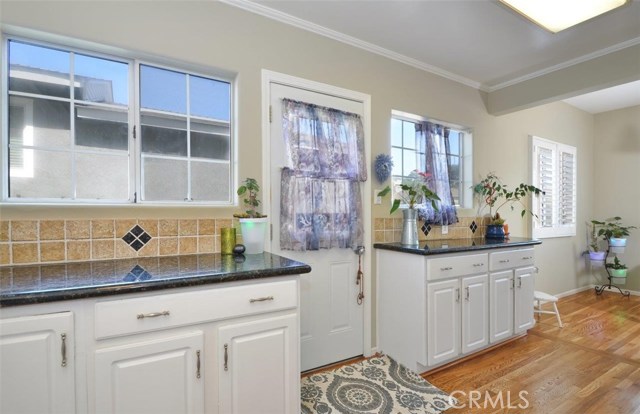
<point>227,240</point>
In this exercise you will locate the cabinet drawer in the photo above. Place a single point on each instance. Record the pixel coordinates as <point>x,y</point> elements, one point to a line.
<point>154,312</point>
<point>511,258</point>
<point>454,266</point>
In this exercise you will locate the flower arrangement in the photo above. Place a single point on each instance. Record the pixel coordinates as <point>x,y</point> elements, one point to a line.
<point>414,192</point>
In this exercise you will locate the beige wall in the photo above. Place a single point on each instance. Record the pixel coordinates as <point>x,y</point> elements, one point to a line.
<point>617,170</point>
<point>216,35</point>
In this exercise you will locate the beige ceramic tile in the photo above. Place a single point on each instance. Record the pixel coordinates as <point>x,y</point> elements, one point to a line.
<point>388,236</point>
<point>123,250</point>
<point>168,246</point>
<point>102,249</point>
<point>206,244</point>
<point>150,226</point>
<point>168,227</point>
<point>206,227</point>
<point>24,252</point>
<point>52,230</point>
<point>221,223</point>
<point>378,223</point>
<point>5,256</point>
<point>217,244</point>
<point>378,236</point>
<point>188,227</point>
<point>123,226</point>
<point>53,273</point>
<point>102,229</point>
<point>187,245</point>
<point>52,251</point>
<point>388,224</point>
<point>79,250</point>
<point>4,230</point>
<point>397,235</point>
<point>397,223</point>
<point>77,229</point>
<point>24,230</point>
<point>149,249</point>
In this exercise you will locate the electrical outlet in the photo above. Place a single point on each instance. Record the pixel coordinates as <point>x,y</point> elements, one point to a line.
<point>376,198</point>
<point>445,229</point>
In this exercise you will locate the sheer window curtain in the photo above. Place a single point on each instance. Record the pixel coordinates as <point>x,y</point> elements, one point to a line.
<point>434,141</point>
<point>320,203</point>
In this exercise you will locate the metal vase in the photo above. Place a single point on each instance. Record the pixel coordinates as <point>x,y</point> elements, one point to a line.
<point>409,227</point>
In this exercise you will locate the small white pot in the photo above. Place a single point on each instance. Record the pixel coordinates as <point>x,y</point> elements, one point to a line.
<point>621,242</point>
<point>597,255</point>
<point>254,232</point>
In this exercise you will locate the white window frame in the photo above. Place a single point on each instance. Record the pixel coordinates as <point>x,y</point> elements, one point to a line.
<point>466,155</point>
<point>134,116</point>
<point>557,149</point>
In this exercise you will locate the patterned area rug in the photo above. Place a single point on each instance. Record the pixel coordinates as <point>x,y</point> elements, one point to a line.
<point>375,385</point>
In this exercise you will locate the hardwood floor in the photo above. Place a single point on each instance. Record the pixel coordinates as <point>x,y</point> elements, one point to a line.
<point>592,365</point>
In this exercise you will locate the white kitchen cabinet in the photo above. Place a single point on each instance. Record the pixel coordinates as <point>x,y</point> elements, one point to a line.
<point>443,321</point>
<point>523,299</point>
<point>163,375</point>
<point>258,369</point>
<point>37,363</point>
<point>475,313</point>
<point>501,305</point>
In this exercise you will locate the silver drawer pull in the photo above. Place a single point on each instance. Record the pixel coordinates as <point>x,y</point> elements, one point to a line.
<point>198,364</point>
<point>153,314</point>
<point>478,264</point>
<point>63,349</point>
<point>504,261</point>
<point>446,268</point>
<point>261,299</point>
<point>527,257</point>
<point>226,357</point>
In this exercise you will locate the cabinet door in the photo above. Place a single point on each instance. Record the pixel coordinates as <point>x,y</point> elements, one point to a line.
<point>37,364</point>
<point>156,376</point>
<point>258,366</point>
<point>443,321</point>
<point>501,306</point>
<point>475,313</point>
<point>524,287</point>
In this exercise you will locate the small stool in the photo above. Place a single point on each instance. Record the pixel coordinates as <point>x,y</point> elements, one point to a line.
<point>545,297</point>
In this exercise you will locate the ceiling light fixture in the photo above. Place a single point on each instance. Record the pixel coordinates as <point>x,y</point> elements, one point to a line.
<point>557,15</point>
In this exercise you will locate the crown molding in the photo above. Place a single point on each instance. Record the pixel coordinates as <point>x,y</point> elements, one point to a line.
<point>564,65</point>
<point>349,40</point>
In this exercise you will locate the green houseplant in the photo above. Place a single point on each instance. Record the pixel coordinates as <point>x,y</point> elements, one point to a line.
<point>253,224</point>
<point>492,193</point>
<point>594,246</point>
<point>414,192</point>
<point>617,269</point>
<point>613,231</point>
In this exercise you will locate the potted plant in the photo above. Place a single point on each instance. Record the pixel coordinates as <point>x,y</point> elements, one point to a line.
<point>594,248</point>
<point>414,193</point>
<point>617,269</point>
<point>613,231</point>
<point>496,195</point>
<point>252,223</point>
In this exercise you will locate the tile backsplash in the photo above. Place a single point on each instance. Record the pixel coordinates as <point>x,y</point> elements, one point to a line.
<point>48,241</point>
<point>390,229</point>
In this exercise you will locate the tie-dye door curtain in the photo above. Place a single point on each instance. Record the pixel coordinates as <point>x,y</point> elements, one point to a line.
<point>433,140</point>
<point>320,202</point>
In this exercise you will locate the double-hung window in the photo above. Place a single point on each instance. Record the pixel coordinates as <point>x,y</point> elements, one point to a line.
<point>86,127</point>
<point>554,171</point>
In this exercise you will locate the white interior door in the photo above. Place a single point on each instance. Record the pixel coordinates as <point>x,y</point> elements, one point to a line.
<point>331,319</point>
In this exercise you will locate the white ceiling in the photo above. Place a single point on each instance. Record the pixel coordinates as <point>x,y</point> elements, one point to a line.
<point>477,42</point>
<point>610,99</point>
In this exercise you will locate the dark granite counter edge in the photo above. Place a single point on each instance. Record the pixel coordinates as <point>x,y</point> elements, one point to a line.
<point>29,298</point>
<point>429,252</point>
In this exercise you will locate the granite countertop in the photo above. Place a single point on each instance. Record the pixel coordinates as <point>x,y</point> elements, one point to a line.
<point>431,247</point>
<point>28,284</point>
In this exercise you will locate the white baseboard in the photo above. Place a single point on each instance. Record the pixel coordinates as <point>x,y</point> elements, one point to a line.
<point>373,351</point>
<point>590,287</point>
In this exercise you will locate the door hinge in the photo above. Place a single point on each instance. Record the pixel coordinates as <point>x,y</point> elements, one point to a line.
<point>134,132</point>
<point>270,114</point>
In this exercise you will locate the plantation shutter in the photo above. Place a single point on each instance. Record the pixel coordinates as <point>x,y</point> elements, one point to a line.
<point>554,172</point>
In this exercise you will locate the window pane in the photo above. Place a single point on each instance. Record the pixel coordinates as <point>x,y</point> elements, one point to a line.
<point>101,80</point>
<point>396,155</point>
<point>39,70</point>
<point>396,132</point>
<point>98,128</point>
<point>455,192</point>
<point>102,177</point>
<point>410,162</point>
<point>44,174</point>
<point>409,134</point>
<point>454,142</point>
<point>166,136</point>
<point>209,181</point>
<point>209,141</point>
<point>454,168</point>
<point>163,90</point>
<point>40,122</point>
<point>210,98</point>
<point>164,180</point>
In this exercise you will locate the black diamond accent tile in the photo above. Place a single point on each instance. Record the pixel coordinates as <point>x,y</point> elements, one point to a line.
<point>137,270</point>
<point>473,227</point>
<point>144,237</point>
<point>137,245</point>
<point>137,230</point>
<point>426,228</point>
<point>145,276</point>
<point>128,238</point>
<point>130,277</point>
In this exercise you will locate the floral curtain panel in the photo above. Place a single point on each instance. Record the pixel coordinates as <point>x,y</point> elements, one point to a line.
<point>434,142</point>
<point>320,203</point>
